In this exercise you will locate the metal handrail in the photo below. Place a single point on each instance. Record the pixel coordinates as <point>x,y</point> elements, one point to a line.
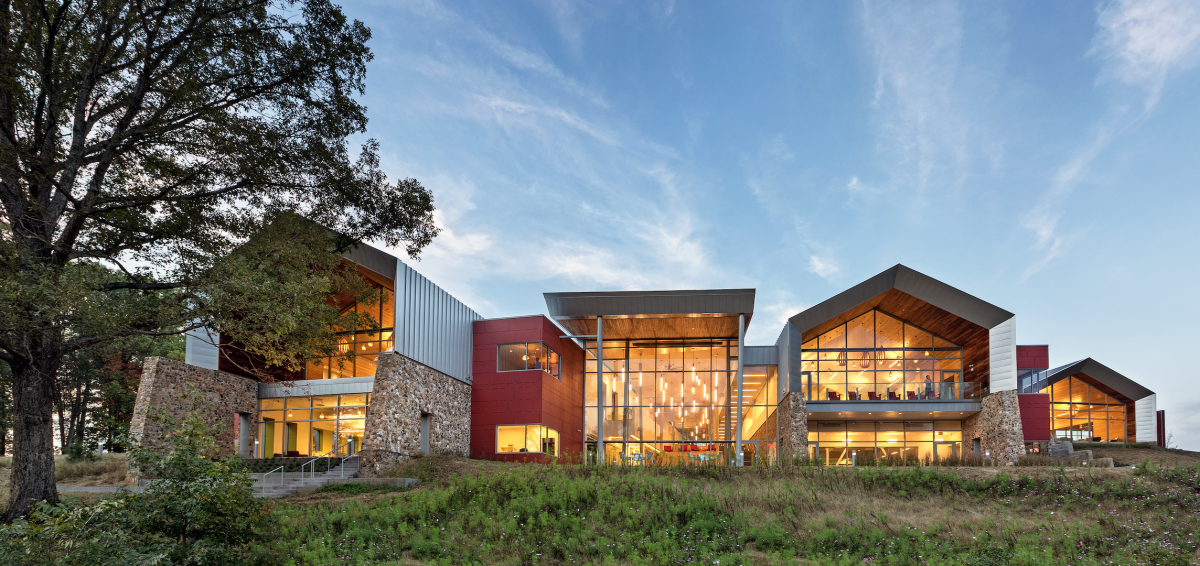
<point>327,454</point>
<point>264,478</point>
<point>342,465</point>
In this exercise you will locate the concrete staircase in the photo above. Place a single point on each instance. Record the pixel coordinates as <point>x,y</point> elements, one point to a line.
<point>286,483</point>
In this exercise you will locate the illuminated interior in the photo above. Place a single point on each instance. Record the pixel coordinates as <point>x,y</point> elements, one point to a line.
<point>878,357</point>
<point>359,350</point>
<point>677,399</point>
<point>528,355</point>
<point>311,426</point>
<point>838,443</point>
<point>1082,412</point>
<point>531,438</point>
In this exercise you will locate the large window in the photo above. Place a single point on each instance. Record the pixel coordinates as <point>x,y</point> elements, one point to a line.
<point>676,400</point>
<point>528,355</point>
<point>877,357</point>
<point>840,443</point>
<point>1083,412</point>
<point>531,438</point>
<point>311,426</point>
<point>358,351</point>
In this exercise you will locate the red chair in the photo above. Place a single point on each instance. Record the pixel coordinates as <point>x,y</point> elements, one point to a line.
<point>833,396</point>
<point>872,396</point>
<point>852,396</point>
<point>892,396</point>
<point>912,395</point>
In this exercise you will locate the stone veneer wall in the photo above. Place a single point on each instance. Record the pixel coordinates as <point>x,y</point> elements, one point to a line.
<point>998,426</point>
<point>404,389</point>
<point>793,427</point>
<point>164,387</point>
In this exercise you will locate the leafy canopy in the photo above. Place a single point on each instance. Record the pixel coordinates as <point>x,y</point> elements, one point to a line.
<point>143,143</point>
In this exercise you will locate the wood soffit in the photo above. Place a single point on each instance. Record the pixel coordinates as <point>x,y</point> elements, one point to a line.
<point>974,338</point>
<point>624,328</point>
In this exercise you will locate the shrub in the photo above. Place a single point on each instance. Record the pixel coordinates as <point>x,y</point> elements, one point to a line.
<point>199,511</point>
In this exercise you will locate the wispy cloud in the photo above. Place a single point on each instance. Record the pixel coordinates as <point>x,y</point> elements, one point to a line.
<point>824,267</point>
<point>916,48</point>
<point>1143,42</point>
<point>1140,44</point>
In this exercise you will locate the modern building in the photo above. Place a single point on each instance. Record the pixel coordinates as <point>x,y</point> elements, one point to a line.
<point>900,366</point>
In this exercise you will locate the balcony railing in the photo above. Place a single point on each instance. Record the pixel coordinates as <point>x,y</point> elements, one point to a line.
<point>918,391</point>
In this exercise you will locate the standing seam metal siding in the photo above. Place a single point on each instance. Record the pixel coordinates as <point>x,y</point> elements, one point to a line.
<point>1002,358</point>
<point>432,327</point>
<point>1145,421</point>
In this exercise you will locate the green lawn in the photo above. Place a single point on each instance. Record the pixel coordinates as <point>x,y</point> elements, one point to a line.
<point>513,514</point>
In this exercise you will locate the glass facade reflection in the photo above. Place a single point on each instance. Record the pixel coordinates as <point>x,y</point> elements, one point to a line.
<point>1082,412</point>
<point>528,355</point>
<point>675,400</point>
<point>837,443</point>
<point>878,357</point>
<point>311,426</point>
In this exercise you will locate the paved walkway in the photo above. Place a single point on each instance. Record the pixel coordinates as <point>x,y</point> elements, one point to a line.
<point>98,489</point>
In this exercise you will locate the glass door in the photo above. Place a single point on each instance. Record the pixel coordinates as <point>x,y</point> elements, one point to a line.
<point>749,453</point>
<point>951,385</point>
<point>945,451</point>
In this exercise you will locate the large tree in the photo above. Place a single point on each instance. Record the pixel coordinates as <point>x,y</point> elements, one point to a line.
<point>166,165</point>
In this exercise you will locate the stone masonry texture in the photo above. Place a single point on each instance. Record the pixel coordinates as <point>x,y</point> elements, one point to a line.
<point>793,427</point>
<point>998,427</point>
<point>403,391</point>
<point>164,387</point>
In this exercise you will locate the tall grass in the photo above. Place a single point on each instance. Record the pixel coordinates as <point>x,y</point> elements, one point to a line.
<point>538,514</point>
<point>112,464</point>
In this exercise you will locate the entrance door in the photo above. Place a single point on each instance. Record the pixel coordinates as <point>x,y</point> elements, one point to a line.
<point>749,453</point>
<point>945,451</point>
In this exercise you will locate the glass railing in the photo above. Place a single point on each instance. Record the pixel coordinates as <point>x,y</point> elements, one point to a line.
<point>920,391</point>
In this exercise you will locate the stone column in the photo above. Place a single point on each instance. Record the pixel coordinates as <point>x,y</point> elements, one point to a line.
<point>793,427</point>
<point>998,427</point>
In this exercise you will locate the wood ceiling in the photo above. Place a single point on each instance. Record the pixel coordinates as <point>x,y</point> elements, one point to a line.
<point>623,328</point>
<point>973,338</point>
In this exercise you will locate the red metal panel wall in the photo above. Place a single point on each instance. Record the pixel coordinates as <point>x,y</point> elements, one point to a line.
<point>1033,357</point>
<point>1035,415</point>
<point>525,397</point>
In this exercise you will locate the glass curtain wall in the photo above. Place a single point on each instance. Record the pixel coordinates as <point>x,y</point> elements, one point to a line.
<point>358,351</point>
<point>877,357</point>
<point>837,442</point>
<point>1082,412</point>
<point>311,426</point>
<point>675,400</point>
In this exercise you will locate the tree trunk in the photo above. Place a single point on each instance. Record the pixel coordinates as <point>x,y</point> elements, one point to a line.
<point>33,436</point>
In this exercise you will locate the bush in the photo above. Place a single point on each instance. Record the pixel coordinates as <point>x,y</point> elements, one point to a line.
<point>199,511</point>
<point>79,453</point>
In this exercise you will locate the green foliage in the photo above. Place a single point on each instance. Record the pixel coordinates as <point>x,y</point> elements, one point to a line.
<point>567,514</point>
<point>77,452</point>
<point>198,511</point>
<point>358,488</point>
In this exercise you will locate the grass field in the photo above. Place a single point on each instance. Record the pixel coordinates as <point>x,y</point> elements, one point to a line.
<point>472,512</point>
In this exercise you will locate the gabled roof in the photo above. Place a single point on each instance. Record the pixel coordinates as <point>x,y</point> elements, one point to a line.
<point>910,282</point>
<point>1102,374</point>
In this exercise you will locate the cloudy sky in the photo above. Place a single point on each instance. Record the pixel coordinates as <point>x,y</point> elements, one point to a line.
<point>1042,156</point>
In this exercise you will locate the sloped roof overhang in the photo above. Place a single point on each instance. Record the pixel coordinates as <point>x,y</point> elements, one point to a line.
<point>918,299</point>
<point>1097,373</point>
<point>705,313</point>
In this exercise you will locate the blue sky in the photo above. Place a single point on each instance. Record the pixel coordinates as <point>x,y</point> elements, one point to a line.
<point>1041,156</point>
